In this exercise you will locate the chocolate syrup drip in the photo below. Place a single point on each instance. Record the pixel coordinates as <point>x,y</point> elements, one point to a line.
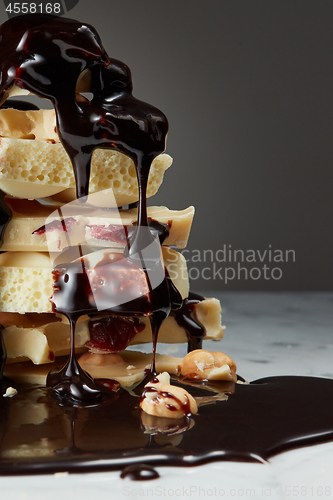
<point>48,63</point>
<point>161,305</point>
<point>112,286</point>
<point>185,317</point>
<point>79,290</point>
<point>20,105</point>
<point>72,449</point>
<point>140,472</point>
<point>3,354</point>
<point>72,382</point>
<point>257,421</point>
<point>162,230</point>
<point>175,296</point>
<point>5,216</point>
<point>46,55</point>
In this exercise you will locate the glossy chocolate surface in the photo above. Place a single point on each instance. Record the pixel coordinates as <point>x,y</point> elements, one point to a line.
<point>257,421</point>
<point>185,317</point>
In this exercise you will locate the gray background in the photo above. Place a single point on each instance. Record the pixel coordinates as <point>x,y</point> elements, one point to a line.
<point>247,87</point>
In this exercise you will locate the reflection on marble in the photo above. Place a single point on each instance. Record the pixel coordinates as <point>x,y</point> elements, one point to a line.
<point>267,334</point>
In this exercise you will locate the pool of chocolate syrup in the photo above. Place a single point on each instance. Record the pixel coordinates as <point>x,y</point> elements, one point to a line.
<point>257,421</point>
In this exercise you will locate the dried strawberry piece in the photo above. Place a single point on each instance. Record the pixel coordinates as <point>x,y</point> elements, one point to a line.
<point>116,233</point>
<point>59,225</point>
<point>112,333</point>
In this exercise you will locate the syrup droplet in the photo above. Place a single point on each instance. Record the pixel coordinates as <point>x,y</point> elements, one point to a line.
<point>139,473</point>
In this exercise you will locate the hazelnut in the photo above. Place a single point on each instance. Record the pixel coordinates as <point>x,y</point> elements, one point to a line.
<point>206,365</point>
<point>159,425</point>
<point>161,399</point>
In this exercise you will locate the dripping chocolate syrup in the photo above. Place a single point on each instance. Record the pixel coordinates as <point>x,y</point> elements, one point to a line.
<point>48,62</point>
<point>140,472</point>
<point>185,317</point>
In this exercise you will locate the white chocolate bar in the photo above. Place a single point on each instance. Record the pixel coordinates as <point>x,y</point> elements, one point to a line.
<point>26,281</point>
<point>41,343</point>
<point>80,224</point>
<point>208,313</point>
<point>31,169</point>
<point>35,124</point>
<point>43,337</point>
<point>128,367</point>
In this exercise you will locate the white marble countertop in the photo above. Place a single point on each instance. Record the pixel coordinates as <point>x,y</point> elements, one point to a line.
<point>272,333</point>
<point>267,334</point>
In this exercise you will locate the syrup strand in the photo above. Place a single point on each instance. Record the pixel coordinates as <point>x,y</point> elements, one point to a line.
<point>3,354</point>
<point>144,240</point>
<point>185,317</point>
<point>5,216</point>
<point>156,320</point>
<point>142,237</point>
<point>71,382</point>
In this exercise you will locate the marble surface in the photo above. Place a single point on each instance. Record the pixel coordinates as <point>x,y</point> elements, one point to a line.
<point>267,334</point>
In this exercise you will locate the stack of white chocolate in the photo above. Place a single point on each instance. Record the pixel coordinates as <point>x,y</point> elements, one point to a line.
<point>34,166</point>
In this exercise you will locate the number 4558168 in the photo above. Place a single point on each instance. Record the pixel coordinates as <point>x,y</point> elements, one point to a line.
<point>33,8</point>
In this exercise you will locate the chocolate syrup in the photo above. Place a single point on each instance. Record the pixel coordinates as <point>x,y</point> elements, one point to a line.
<point>185,317</point>
<point>5,216</point>
<point>48,63</point>
<point>3,354</point>
<point>21,105</point>
<point>257,421</point>
<point>140,472</point>
<point>111,286</point>
<point>72,382</point>
<point>46,55</point>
